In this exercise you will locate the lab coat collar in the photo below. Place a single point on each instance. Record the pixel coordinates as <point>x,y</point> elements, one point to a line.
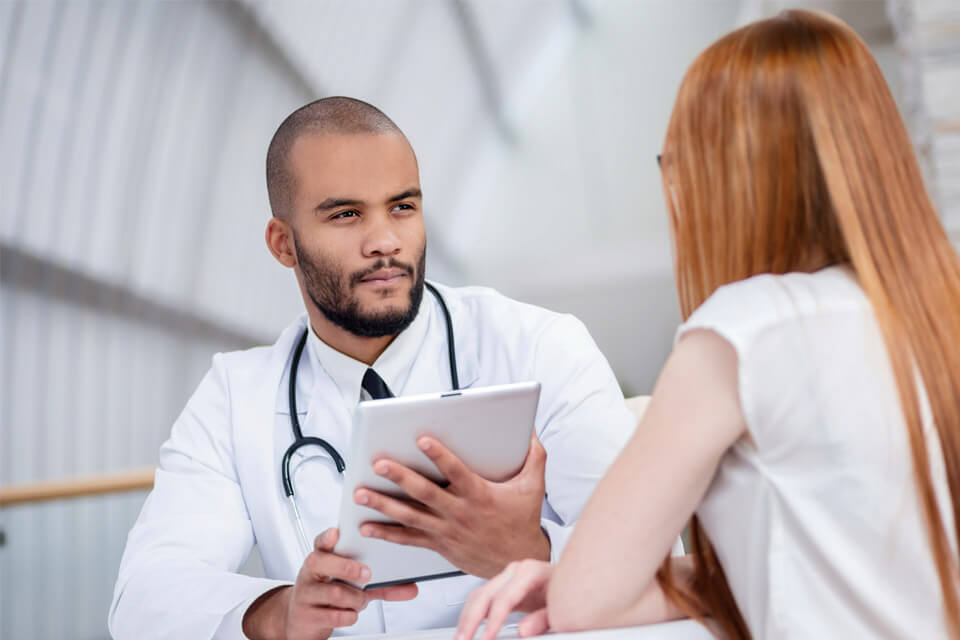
<point>393,365</point>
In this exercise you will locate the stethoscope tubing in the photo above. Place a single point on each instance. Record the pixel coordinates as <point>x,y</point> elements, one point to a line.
<point>298,438</point>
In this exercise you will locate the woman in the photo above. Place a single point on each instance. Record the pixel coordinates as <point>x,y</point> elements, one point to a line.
<point>809,415</point>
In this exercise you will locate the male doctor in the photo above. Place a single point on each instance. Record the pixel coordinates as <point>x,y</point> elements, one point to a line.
<point>344,189</point>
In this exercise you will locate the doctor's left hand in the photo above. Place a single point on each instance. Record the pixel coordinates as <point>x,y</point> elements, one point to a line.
<point>478,525</point>
<point>315,605</point>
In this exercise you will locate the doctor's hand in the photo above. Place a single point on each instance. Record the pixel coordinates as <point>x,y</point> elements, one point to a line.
<point>478,525</point>
<point>314,606</point>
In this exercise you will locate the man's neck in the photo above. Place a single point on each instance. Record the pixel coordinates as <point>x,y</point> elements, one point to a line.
<point>366,350</point>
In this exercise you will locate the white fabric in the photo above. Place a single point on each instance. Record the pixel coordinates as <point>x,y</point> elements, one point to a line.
<point>218,489</point>
<point>814,515</point>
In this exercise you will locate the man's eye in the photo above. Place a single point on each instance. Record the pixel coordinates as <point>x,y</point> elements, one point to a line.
<point>403,206</point>
<point>343,214</point>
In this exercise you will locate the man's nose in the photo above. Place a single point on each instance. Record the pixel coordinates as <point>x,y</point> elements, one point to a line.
<point>382,239</point>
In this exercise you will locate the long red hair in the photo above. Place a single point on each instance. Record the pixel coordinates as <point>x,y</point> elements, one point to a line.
<point>785,152</point>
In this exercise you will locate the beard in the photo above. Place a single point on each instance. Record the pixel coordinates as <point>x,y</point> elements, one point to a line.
<point>332,290</point>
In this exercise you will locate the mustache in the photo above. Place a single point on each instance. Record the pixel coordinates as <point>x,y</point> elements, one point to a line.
<point>392,263</point>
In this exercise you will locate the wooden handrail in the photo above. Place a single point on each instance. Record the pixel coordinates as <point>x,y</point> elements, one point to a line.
<point>129,480</point>
<point>133,479</point>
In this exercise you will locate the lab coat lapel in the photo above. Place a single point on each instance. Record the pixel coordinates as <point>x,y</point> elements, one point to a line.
<point>430,370</point>
<point>328,417</point>
<point>253,402</point>
<point>464,336</point>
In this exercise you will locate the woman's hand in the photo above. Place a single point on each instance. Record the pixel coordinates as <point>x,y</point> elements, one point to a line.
<point>522,586</point>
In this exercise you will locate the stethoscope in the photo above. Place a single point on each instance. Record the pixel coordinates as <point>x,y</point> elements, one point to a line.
<point>299,440</point>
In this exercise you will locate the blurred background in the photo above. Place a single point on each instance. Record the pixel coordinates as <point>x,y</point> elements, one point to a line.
<point>132,203</point>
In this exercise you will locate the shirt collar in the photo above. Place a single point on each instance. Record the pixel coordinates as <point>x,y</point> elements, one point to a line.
<point>393,365</point>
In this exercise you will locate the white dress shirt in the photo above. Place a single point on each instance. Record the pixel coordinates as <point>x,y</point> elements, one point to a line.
<point>218,489</point>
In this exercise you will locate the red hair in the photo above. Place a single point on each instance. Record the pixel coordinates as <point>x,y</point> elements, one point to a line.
<point>785,152</point>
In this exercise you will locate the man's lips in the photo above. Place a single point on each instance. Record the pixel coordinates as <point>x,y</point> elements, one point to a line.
<point>384,276</point>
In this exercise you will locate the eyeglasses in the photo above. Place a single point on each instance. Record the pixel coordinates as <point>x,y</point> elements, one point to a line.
<point>671,189</point>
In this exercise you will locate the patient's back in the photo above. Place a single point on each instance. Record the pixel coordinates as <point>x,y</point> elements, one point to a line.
<point>815,515</point>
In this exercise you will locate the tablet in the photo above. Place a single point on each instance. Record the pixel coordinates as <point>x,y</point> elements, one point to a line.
<point>488,428</point>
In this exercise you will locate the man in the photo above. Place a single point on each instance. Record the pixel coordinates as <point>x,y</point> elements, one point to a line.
<point>344,189</point>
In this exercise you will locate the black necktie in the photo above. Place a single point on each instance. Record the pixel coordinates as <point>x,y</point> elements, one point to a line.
<point>375,385</point>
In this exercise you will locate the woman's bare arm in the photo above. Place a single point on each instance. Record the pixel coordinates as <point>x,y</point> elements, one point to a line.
<point>654,486</point>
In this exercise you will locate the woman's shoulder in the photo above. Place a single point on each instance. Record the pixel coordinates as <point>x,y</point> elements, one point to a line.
<point>743,309</point>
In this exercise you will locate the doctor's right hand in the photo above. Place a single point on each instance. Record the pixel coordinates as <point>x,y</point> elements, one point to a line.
<point>314,606</point>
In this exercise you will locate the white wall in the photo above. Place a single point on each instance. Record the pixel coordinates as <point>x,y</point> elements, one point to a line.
<point>573,218</point>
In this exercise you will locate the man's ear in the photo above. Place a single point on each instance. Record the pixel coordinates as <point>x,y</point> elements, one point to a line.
<point>279,237</point>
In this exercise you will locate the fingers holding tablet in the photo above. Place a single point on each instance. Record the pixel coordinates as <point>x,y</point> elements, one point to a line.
<point>460,477</point>
<point>400,511</point>
<point>324,565</point>
<point>319,602</point>
<point>478,525</point>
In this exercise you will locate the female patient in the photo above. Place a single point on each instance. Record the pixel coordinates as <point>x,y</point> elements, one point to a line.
<point>809,415</point>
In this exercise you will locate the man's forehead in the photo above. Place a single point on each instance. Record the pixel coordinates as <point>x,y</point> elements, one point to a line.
<point>366,162</point>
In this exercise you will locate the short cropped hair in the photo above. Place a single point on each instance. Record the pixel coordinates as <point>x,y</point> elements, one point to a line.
<point>334,115</point>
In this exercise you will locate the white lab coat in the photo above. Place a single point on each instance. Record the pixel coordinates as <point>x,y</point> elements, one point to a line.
<point>218,491</point>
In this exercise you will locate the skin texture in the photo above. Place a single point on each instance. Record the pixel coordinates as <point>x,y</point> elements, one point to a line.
<point>636,512</point>
<point>355,238</point>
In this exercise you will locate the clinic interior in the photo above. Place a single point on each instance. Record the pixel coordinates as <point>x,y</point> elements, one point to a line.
<point>132,205</point>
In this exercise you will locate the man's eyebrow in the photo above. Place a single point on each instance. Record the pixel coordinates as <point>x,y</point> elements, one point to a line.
<point>409,193</point>
<point>333,203</point>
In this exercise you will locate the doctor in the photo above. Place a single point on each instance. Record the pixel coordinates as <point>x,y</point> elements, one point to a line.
<point>344,189</point>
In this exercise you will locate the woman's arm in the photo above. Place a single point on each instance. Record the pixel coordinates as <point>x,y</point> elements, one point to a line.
<point>649,493</point>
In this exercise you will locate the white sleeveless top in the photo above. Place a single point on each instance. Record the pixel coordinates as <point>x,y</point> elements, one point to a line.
<point>815,516</point>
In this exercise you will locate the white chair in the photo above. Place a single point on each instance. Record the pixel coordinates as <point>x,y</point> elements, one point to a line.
<point>638,405</point>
